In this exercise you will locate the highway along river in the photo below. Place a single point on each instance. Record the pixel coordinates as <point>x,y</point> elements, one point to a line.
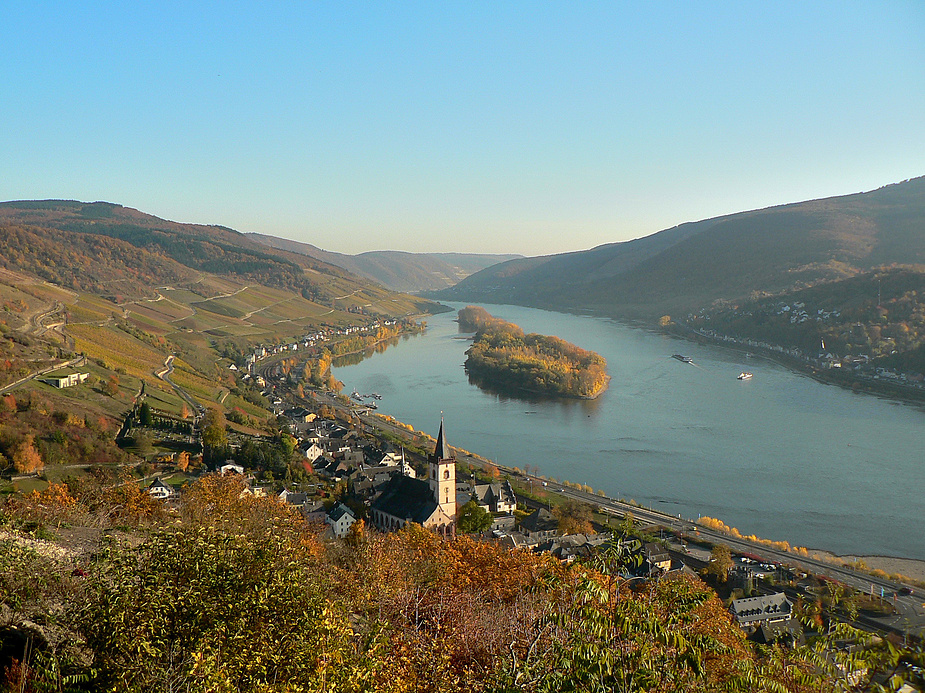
<point>780,455</point>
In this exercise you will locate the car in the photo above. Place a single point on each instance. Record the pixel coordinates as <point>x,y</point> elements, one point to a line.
<point>904,591</point>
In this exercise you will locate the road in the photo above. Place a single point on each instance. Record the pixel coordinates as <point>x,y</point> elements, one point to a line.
<point>164,374</point>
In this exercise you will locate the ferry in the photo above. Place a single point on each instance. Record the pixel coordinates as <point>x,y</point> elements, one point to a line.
<point>683,359</point>
<point>744,375</point>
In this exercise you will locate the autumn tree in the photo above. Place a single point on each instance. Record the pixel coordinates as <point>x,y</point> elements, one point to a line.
<point>200,609</point>
<point>574,517</point>
<point>26,459</point>
<point>720,563</point>
<point>673,635</point>
<point>111,387</point>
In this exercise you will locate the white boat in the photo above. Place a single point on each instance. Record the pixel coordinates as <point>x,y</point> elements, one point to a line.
<point>744,376</point>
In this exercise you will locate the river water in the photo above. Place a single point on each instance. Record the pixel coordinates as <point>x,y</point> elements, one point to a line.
<point>781,455</point>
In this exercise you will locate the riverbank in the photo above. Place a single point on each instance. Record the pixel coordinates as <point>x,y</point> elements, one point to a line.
<point>845,378</point>
<point>907,567</point>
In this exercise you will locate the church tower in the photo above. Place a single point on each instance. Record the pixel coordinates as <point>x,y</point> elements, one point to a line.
<point>441,475</point>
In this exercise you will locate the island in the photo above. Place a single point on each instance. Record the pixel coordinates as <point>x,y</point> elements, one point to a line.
<point>503,358</point>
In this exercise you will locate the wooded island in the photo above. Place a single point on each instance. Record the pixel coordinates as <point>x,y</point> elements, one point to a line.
<point>503,357</point>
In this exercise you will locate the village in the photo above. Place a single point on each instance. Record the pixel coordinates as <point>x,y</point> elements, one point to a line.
<point>353,476</point>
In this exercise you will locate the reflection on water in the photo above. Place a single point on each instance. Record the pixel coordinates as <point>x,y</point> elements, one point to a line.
<point>358,356</point>
<point>507,394</point>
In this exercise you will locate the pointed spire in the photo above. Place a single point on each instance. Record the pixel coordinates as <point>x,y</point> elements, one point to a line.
<point>441,450</point>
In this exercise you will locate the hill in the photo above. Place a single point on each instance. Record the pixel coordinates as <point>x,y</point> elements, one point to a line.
<point>128,289</point>
<point>89,246</point>
<point>393,269</point>
<point>728,258</point>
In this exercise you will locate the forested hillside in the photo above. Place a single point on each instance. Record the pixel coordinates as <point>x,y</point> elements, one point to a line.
<point>235,593</point>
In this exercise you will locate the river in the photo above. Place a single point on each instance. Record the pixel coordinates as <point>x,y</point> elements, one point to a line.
<point>781,455</point>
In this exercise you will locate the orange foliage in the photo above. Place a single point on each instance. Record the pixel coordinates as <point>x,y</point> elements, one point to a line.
<point>26,459</point>
<point>130,504</point>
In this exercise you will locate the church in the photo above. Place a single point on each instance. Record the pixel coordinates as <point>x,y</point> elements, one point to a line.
<point>429,502</point>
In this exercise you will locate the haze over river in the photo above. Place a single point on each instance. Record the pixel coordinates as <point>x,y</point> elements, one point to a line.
<point>781,455</point>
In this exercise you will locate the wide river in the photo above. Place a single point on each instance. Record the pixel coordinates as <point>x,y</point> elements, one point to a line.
<point>781,455</point>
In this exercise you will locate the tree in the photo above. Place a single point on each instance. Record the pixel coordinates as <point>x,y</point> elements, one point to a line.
<point>144,445</point>
<point>214,435</point>
<point>574,517</point>
<point>200,609</point>
<point>674,635</point>
<point>144,414</point>
<point>472,519</point>
<point>111,387</point>
<point>720,562</point>
<point>26,459</point>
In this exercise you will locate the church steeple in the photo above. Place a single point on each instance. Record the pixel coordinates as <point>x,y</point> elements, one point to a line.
<point>441,450</point>
<point>442,475</point>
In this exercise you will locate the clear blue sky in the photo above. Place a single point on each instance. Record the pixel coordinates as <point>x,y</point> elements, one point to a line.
<point>527,127</point>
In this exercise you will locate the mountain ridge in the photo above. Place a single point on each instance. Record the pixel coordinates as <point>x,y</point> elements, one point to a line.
<point>395,269</point>
<point>692,265</point>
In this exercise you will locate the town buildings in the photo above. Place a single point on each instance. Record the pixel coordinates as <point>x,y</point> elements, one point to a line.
<point>429,502</point>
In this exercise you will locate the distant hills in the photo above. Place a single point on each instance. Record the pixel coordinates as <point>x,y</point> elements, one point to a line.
<point>727,258</point>
<point>396,270</point>
<point>119,252</point>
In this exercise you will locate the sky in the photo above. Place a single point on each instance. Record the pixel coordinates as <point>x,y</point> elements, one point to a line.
<point>494,127</point>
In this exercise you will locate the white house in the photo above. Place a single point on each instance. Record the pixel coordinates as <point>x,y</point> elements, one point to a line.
<point>161,491</point>
<point>341,518</point>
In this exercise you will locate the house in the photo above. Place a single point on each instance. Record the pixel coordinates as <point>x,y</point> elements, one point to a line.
<point>255,491</point>
<point>429,502</point>
<point>62,381</point>
<point>767,618</point>
<point>300,414</point>
<point>313,451</point>
<point>161,491</point>
<point>340,518</point>
<point>231,468</point>
<point>495,498</point>
<point>658,559</point>
<point>540,524</point>
<point>570,547</point>
<point>293,499</point>
<point>314,511</point>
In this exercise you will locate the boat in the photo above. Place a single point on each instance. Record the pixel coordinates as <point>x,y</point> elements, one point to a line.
<point>744,375</point>
<point>683,359</point>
